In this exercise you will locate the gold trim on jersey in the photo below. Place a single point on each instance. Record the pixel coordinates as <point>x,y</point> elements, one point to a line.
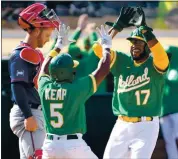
<point>159,71</point>
<point>113,54</point>
<point>94,83</point>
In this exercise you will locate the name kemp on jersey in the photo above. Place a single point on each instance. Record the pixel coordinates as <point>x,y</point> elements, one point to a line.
<point>133,82</point>
<point>55,94</point>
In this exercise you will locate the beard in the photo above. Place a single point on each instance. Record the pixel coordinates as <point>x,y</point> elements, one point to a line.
<point>140,57</point>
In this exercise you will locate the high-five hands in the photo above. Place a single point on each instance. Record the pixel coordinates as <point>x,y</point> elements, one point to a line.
<point>62,39</point>
<point>106,38</point>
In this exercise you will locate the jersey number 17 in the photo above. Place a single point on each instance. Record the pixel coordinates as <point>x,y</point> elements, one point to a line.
<point>138,93</point>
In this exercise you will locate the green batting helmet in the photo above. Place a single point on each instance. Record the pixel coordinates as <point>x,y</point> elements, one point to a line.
<point>61,67</point>
<point>136,34</point>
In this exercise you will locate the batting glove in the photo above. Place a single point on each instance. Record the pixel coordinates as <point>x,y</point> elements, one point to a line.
<point>62,39</point>
<point>106,39</point>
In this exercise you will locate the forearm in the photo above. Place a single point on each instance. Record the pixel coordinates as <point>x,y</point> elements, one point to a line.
<point>97,48</point>
<point>17,90</point>
<point>76,34</point>
<point>103,67</point>
<point>93,38</point>
<point>160,58</point>
<point>45,65</point>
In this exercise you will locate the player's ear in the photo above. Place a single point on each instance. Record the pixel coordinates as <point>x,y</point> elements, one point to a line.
<point>36,32</point>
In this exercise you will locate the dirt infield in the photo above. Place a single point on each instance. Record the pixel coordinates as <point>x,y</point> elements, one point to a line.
<point>120,44</point>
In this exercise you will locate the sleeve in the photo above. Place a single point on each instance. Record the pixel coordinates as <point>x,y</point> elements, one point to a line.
<point>93,38</point>
<point>76,35</point>
<point>160,58</point>
<point>86,86</point>
<point>43,80</point>
<point>97,48</point>
<point>18,69</point>
<point>17,97</point>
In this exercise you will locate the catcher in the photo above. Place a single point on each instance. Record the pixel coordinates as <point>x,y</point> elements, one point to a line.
<point>63,99</point>
<point>26,118</point>
<point>138,88</point>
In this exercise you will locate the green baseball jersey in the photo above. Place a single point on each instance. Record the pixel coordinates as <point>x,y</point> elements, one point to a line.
<point>137,89</point>
<point>170,96</point>
<point>63,104</point>
<point>87,64</point>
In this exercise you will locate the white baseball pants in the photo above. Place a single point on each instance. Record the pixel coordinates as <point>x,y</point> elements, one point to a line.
<point>169,127</point>
<point>132,140</point>
<point>67,149</point>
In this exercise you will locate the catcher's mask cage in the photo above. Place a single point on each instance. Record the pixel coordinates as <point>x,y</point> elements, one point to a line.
<point>38,16</point>
<point>61,68</point>
<point>138,36</point>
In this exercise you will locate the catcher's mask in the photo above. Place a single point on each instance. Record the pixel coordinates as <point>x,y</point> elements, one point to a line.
<point>61,68</point>
<point>38,16</point>
<point>138,36</point>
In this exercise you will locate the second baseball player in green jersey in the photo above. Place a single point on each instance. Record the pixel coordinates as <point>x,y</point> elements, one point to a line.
<point>137,87</point>
<point>56,96</point>
<point>170,96</point>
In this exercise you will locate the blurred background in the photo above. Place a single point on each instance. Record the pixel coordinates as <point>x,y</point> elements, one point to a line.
<point>161,16</point>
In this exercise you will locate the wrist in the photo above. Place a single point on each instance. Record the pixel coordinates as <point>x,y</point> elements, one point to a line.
<point>106,46</point>
<point>147,33</point>
<point>28,115</point>
<point>148,36</point>
<point>59,43</point>
<point>79,29</point>
<point>118,26</point>
<point>53,53</point>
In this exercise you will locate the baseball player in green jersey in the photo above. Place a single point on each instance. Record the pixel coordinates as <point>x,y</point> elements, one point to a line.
<point>86,55</point>
<point>63,99</point>
<point>137,96</point>
<point>169,113</point>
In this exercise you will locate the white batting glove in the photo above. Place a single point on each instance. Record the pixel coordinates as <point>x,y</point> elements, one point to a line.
<point>106,39</point>
<point>62,39</point>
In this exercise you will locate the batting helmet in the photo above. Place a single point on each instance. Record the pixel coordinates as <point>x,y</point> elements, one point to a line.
<point>38,16</point>
<point>137,35</point>
<point>61,68</point>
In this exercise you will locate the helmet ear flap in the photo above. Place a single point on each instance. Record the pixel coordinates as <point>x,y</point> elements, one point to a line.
<point>24,24</point>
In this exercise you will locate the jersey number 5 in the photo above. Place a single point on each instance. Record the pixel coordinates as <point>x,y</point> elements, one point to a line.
<point>58,115</point>
<point>141,92</point>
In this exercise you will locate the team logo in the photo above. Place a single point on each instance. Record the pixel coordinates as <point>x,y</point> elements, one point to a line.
<point>133,82</point>
<point>20,73</point>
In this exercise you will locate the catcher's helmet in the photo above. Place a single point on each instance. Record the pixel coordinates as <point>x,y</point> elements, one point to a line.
<point>61,68</point>
<point>38,16</point>
<point>137,35</point>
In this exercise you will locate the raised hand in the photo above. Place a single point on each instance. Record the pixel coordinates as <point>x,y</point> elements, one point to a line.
<point>138,18</point>
<point>62,38</point>
<point>126,14</point>
<point>82,21</point>
<point>106,38</point>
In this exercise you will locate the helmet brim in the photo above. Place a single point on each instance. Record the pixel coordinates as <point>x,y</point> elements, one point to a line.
<point>135,37</point>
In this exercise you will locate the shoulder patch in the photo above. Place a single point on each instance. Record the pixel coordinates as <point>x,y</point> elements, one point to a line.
<point>30,56</point>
